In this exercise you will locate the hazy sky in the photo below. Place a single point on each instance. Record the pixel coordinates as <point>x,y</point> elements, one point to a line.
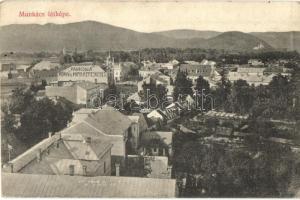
<point>158,16</point>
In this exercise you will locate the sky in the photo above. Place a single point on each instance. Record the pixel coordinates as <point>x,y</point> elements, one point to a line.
<point>154,16</point>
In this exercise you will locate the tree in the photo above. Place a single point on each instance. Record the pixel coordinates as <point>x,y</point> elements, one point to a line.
<point>202,88</point>
<point>202,84</point>
<point>241,97</point>
<point>9,123</point>
<point>235,172</point>
<point>42,117</point>
<point>183,86</point>
<point>19,100</point>
<point>222,93</point>
<point>158,93</point>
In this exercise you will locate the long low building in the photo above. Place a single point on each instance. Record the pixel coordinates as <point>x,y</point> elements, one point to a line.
<point>83,72</point>
<point>77,92</point>
<point>28,185</point>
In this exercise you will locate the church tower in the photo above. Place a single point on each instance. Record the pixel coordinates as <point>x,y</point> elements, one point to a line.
<point>110,70</point>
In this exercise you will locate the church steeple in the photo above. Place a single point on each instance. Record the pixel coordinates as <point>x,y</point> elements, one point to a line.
<point>110,69</point>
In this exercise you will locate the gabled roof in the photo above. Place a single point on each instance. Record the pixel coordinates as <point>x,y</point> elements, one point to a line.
<point>25,185</point>
<point>71,149</point>
<point>109,120</point>
<point>45,65</point>
<point>29,155</point>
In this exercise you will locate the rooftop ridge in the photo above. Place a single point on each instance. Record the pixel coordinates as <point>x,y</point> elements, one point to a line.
<point>29,155</point>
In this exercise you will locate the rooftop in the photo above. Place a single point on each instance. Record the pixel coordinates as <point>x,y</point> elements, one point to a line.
<point>45,65</point>
<point>212,113</point>
<point>109,120</point>
<point>251,69</point>
<point>196,69</point>
<point>25,185</point>
<point>70,149</point>
<point>89,85</point>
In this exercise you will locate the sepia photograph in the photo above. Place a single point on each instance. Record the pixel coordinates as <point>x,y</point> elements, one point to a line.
<point>150,99</point>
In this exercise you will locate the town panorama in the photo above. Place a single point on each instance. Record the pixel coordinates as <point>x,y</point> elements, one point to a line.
<point>94,110</point>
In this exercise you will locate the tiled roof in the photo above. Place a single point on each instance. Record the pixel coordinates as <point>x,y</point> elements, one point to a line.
<point>212,113</point>
<point>71,148</point>
<point>81,150</point>
<point>110,121</point>
<point>62,166</point>
<point>83,128</point>
<point>25,185</point>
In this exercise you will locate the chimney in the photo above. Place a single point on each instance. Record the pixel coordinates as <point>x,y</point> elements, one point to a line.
<point>39,155</point>
<point>117,169</point>
<point>88,140</point>
<point>164,151</point>
<point>11,165</point>
<point>50,134</point>
<point>71,170</point>
<point>57,144</point>
<point>84,169</point>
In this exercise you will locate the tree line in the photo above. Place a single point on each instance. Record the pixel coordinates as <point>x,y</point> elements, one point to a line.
<point>31,119</point>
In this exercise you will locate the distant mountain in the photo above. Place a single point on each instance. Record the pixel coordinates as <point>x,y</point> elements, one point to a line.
<point>281,40</point>
<point>81,35</point>
<point>99,36</point>
<point>188,34</point>
<point>235,40</point>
